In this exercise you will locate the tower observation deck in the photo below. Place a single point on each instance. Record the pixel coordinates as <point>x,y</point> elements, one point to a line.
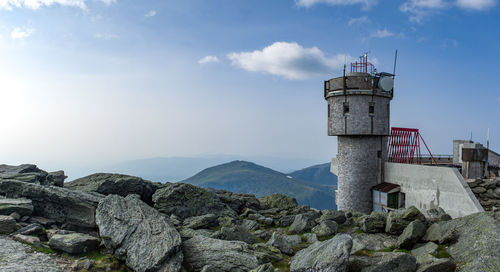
<point>359,114</point>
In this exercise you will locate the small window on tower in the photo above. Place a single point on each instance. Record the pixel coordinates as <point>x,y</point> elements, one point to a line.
<point>346,107</point>
<point>371,108</point>
<point>328,110</point>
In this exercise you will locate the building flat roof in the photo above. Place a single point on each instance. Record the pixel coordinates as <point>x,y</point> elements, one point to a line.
<point>385,187</point>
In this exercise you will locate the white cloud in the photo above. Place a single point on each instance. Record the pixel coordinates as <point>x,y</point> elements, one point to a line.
<point>289,60</point>
<point>382,33</point>
<point>358,21</point>
<point>106,36</point>
<point>476,4</point>
<point>308,3</point>
<point>208,59</point>
<point>418,9</point>
<point>20,34</point>
<point>36,4</point>
<point>151,13</point>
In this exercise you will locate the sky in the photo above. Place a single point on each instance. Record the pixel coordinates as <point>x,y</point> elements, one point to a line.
<point>90,82</point>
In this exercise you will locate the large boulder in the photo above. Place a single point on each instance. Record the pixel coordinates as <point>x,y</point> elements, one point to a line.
<point>236,233</point>
<point>373,223</point>
<point>237,201</point>
<point>478,243</point>
<point>116,184</point>
<point>74,243</point>
<point>326,228</point>
<point>429,263</point>
<point>372,242</point>
<point>279,201</point>
<point>21,206</point>
<point>56,178</point>
<point>337,216</point>
<point>186,200</point>
<point>280,242</point>
<point>304,222</point>
<point>397,220</point>
<point>52,202</point>
<point>24,172</point>
<point>411,235</point>
<point>221,255</point>
<point>383,262</point>
<point>7,224</point>
<point>139,234</point>
<point>328,256</point>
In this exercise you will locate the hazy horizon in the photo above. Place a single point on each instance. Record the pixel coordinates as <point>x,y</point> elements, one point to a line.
<point>85,84</point>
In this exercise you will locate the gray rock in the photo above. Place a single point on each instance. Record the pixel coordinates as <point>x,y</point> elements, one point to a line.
<point>293,239</point>
<point>303,222</point>
<point>16,216</point>
<point>478,190</point>
<point>250,225</point>
<point>25,173</point>
<point>373,223</point>
<point>411,235</point>
<point>267,253</point>
<point>74,243</point>
<point>279,201</point>
<point>201,222</point>
<point>280,242</point>
<point>264,268</point>
<point>63,205</point>
<point>86,264</point>
<point>187,233</point>
<point>429,263</point>
<point>7,224</point>
<point>326,228</point>
<point>16,257</point>
<point>139,234</point>
<point>372,242</point>
<point>437,215</point>
<point>311,238</point>
<point>266,221</point>
<point>30,229</point>
<point>237,201</point>
<point>383,262</point>
<point>26,239</point>
<point>433,233</point>
<point>186,200</point>
<point>236,233</point>
<point>397,220</point>
<point>56,178</point>
<point>42,221</point>
<point>262,234</point>
<point>478,243</point>
<point>221,255</point>
<point>286,220</point>
<point>427,248</point>
<point>337,216</point>
<point>116,184</point>
<point>441,233</point>
<point>330,255</point>
<point>21,206</point>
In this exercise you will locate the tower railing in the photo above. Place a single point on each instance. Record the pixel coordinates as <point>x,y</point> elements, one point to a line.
<point>404,146</point>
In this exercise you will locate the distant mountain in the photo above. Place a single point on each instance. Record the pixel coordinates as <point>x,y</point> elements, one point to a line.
<point>250,178</point>
<point>174,169</point>
<point>318,173</point>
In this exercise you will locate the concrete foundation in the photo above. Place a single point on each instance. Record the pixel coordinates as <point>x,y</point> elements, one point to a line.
<point>359,168</point>
<point>427,187</point>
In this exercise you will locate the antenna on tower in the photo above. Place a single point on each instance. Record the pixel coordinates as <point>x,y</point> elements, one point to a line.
<point>395,60</point>
<point>488,140</point>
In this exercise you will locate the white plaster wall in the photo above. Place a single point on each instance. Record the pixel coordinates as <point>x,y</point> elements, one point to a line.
<point>429,187</point>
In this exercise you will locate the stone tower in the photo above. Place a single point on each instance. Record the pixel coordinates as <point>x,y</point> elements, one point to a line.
<point>358,113</point>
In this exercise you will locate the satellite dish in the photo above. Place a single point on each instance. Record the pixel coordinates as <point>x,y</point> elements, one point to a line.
<point>386,83</point>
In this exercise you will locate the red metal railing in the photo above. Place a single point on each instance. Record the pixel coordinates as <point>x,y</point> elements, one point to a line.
<point>363,66</point>
<point>404,146</point>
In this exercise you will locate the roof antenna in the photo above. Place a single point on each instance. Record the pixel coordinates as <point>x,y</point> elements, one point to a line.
<point>395,60</point>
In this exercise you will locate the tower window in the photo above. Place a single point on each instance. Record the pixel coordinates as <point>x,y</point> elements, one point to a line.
<point>346,107</point>
<point>371,108</point>
<point>328,110</point>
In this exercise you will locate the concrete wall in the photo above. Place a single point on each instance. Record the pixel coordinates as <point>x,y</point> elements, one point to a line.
<point>429,187</point>
<point>493,158</point>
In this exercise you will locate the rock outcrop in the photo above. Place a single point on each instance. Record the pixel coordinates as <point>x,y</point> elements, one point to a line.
<point>116,184</point>
<point>20,206</point>
<point>397,220</point>
<point>15,256</point>
<point>330,255</point>
<point>138,234</point>
<point>62,205</point>
<point>278,201</point>
<point>74,243</point>
<point>219,255</point>
<point>186,200</point>
<point>32,174</point>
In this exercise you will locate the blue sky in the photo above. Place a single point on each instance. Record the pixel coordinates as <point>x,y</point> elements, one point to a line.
<point>87,82</point>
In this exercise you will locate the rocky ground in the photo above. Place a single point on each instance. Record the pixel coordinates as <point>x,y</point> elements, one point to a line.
<point>487,191</point>
<point>108,222</point>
